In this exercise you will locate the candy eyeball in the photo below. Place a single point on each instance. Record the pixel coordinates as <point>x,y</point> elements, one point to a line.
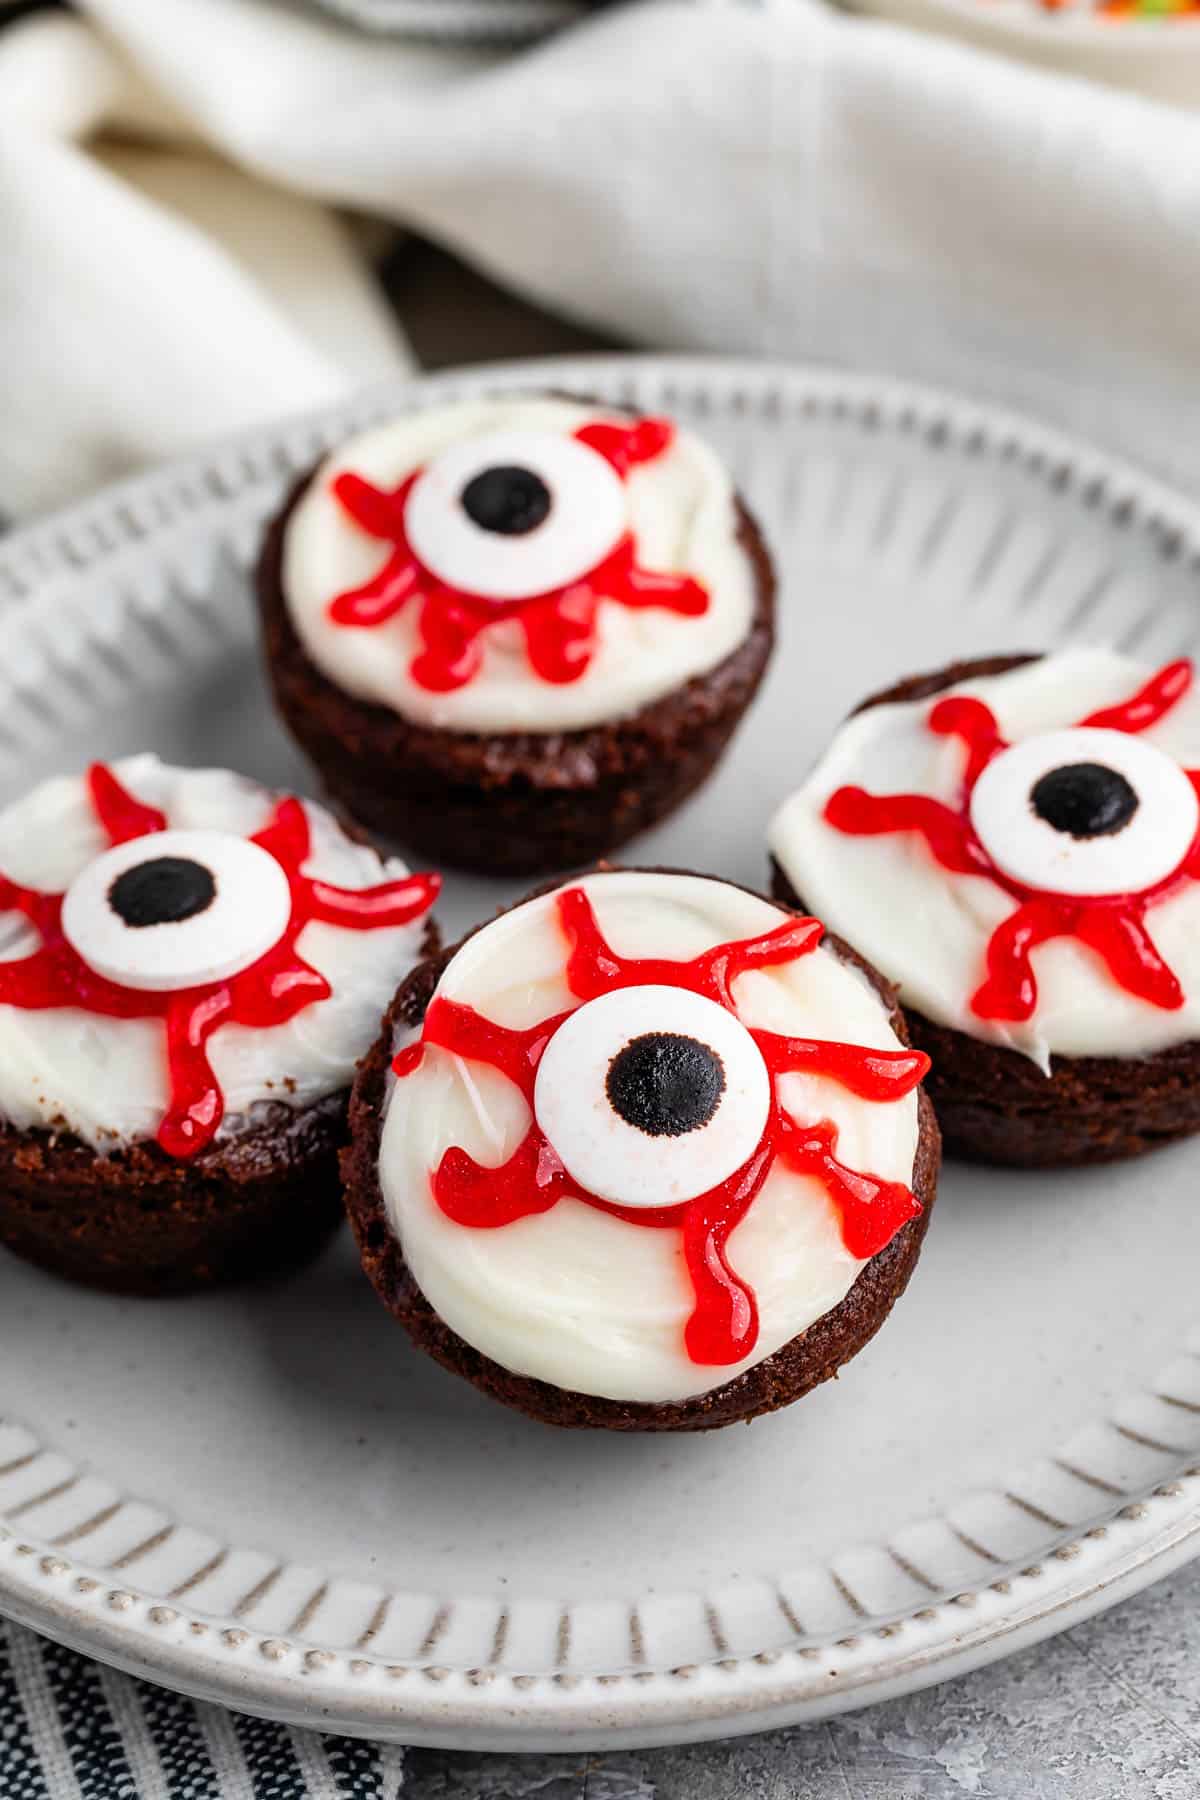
<point>652,1095</point>
<point>177,909</point>
<point>514,514</point>
<point>1085,812</point>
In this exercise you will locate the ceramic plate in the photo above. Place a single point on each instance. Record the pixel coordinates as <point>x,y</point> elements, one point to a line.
<point>267,1498</point>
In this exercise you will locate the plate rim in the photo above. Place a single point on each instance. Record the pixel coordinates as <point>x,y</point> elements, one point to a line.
<point>1151,1531</point>
<point>689,1703</point>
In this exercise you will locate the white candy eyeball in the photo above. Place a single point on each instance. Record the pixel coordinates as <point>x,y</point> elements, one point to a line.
<point>177,909</point>
<point>1085,812</point>
<point>515,513</point>
<point>652,1095</point>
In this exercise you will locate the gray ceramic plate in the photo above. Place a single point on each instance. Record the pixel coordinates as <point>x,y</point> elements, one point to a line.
<point>265,1497</point>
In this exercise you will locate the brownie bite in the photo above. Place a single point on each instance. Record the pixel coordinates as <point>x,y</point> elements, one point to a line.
<point>646,1152</point>
<point>190,967</point>
<point>514,632</point>
<point>1015,843</point>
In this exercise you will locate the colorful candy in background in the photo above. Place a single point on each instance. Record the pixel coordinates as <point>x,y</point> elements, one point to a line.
<point>1126,9</point>
<point>1149,9</point>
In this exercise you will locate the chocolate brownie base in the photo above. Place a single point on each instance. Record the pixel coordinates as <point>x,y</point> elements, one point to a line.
<point>141,1222</point>
<point>805,1362</point>
<point>513,803</point>
<point>995,1105</point>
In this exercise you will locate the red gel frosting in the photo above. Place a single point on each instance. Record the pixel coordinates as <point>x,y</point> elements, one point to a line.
<point>723,1327</point>
<point>1113,926</point>
<point>270,992</point>
<point>559,626</point>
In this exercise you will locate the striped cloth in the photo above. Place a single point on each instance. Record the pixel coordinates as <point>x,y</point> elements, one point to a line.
<point>71,1729</point>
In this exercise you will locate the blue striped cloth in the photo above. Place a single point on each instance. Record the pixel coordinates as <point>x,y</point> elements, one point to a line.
<point>71,1729</point>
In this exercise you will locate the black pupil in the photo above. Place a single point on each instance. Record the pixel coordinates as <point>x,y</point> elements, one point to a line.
<point>1084,800</point>
<point>162,891</point>
<point>507,499</point>
<point>665,1084</point>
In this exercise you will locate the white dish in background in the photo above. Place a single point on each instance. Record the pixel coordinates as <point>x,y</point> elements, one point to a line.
<point>1156,56</point>
<point>267,1498</point>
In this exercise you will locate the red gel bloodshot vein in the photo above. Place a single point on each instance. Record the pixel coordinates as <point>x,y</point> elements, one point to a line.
<point>559,626</point>
<point>1113,926</point>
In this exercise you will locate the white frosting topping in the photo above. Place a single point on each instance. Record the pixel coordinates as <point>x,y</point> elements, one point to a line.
<point>680,507</point>
<point>576,1296</point>
<point>105,1079</point>
<point>928,929</point>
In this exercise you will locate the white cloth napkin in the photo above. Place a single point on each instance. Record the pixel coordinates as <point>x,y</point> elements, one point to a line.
<point>151,293</point>
<point>688,173</point>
